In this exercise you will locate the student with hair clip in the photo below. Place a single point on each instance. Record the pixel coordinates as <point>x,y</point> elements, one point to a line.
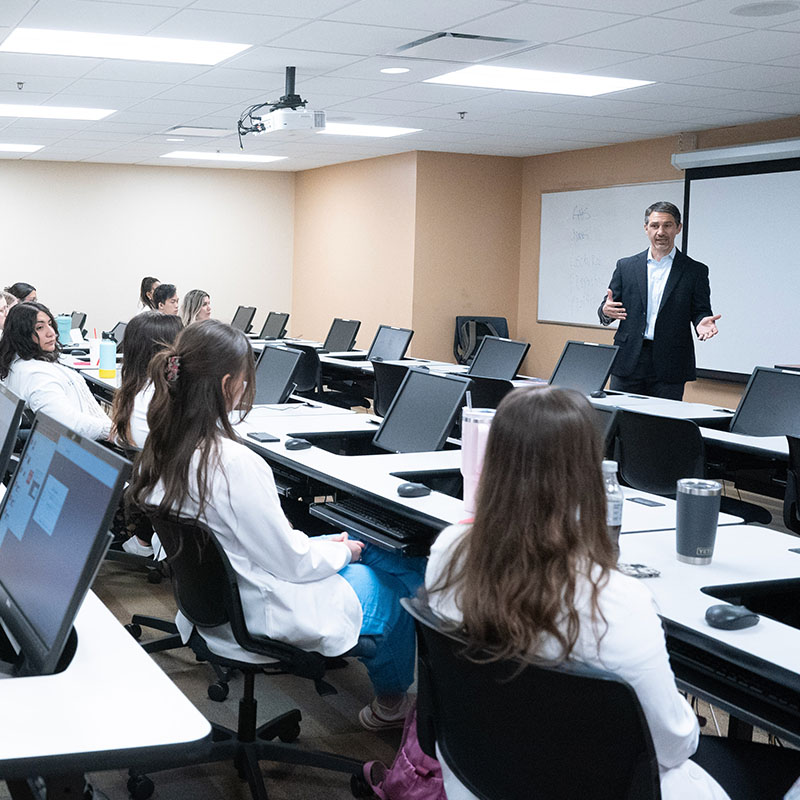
<point>196,306</point>
<point>534,575</point>
<point>148,286</point>
<point>29,367</point>
<point>165,299</point>
<point>317,593</point>
<point>24,292</point>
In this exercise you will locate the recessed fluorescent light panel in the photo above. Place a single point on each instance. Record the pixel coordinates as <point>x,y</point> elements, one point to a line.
<point>534,80</point>
<point>381,131</point>
<point>194,130</point>
<point>395,70</point>
<point>20,148</point>
<point>53,112</point>
<point>113,45</point>
<point>192,155</point>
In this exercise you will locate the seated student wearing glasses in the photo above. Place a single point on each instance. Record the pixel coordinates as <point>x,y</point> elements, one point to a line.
<point>29,367</point>
<point>165,299</point>
<point>196,306</point>
<point>534,574</point>
<point>318,593</point>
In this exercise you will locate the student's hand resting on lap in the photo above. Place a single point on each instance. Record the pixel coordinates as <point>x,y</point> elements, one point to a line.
<point>353,545</point>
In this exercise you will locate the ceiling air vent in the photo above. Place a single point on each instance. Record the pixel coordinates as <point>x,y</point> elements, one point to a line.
<point>464,47</point>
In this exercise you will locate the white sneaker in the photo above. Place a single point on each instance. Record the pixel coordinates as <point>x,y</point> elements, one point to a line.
<point>135,547</point>
<point>376,717</point>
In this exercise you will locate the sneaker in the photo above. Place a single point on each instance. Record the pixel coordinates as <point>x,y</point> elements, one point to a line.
<point>377,717</point>
<point>137,548</point>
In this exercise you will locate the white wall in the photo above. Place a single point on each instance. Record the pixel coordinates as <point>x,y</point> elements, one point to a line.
<point>85,234</point>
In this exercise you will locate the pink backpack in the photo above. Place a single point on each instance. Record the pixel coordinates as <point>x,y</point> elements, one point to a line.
<point>414,775</point>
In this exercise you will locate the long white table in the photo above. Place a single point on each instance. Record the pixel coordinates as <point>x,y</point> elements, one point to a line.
<point>661,407</point>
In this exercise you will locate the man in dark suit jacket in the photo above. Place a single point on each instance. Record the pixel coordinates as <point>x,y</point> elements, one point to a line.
<point>656,295</point>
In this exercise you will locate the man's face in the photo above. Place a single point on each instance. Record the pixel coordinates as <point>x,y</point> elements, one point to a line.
<point>661,230</point>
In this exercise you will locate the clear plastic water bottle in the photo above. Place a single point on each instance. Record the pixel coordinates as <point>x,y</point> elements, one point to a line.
<point>614,501</point>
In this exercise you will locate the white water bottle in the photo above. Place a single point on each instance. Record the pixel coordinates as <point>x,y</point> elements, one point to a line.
<point>614,500</point>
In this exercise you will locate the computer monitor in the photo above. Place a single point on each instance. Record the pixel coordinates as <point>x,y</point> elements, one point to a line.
<point>275,326</point>
<point>498,358</point>
<point>118,332</point>
<point>584,366</point>
<point>342,335</point>
<point>11,408</point>
<point>422,412</point>
<point>53,534</point>
<point>770,405</point>
<point>275,371</point>
<point>389,344</point>
<point>243,317</point>
<point>78,320</point>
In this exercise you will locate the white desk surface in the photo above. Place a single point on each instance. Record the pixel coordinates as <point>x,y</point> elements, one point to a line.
<point>373,473</point>
<point>111,698</point>
<point>659,406</point>
<point>769,446</point>
<point>94,375</point>
<point>742,553</point>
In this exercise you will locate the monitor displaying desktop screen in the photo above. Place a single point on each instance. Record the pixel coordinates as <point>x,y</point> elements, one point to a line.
<point>389,344</point>
<point>53,534</point>
<point>422,412</point>
<point>498,358</point>
<point>274,326</point>
<point>770,405</point>
<point>584,366</point>
<point>11,408</point>
<point>342,335</point>
<point>243,317</point>
<point>275,371</point>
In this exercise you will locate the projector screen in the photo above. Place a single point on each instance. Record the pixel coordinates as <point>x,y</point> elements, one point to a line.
<point>741,226</point>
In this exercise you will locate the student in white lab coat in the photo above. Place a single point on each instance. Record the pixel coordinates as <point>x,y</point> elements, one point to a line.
<point>317,593</point>
<point>534,574</point>
<point>29,367</point>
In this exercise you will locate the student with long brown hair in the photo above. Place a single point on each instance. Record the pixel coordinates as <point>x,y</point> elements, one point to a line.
<point>534,574</point>
<point>306,591</point>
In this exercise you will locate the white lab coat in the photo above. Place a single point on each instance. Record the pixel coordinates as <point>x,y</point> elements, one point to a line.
<point>288,582</point>
<point>138,420</point>
<point>59,392</point>
<point>634,648</point>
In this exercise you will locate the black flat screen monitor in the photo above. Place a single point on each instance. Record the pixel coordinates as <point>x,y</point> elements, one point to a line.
<point>275,371</point>
<point>770,405</point>
<point>10,415</point>
<point>118,332</point>
<point>78,320</point>
<point>498,358</point>
<point>243,317</point>
<point>584,366</point>
<point>342,335</point>
<point>389,344</point>
<point>422,412</point>
<point>275,326</point>
<point>53,534</point>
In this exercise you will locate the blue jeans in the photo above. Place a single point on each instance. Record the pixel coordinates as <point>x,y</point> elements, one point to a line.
<point>379,580</point>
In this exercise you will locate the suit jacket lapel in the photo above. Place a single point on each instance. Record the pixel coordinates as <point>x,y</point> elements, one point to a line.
<point>641,276</point>
<point>674,276</point>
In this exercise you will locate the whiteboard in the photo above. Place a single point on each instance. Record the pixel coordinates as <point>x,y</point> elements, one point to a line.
<point>583,235</point>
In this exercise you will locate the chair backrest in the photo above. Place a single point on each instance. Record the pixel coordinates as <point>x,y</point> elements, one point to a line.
<point>488,392</point>
<point>207,592</point>
<point>470,331</point>
<point>308,376</point>
<point>388,378</point>
<point>605,421</point>
<point>791,499</point>
<point>517,732</point>
<point>655,452</point>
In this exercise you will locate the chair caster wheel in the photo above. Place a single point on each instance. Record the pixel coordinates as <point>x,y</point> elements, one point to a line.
<point>218,692</point>
<point>140,787</point>
<point>154,576</point>
<point>290,734</point>
<point>135,630</point>
<point>359,787</point>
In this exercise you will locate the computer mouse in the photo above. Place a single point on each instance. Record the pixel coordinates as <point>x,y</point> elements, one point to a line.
<point>730,618</point>
<point>413,490</point>
<point>297,444</point>
<point>598,393</point>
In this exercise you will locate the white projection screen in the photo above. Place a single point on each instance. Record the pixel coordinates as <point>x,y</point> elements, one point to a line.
<point>743,226</point>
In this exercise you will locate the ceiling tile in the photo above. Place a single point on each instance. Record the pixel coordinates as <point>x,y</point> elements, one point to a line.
<point>755,47</point>
<point>276,59</point>
<point>307,9</point>
<point>419,69</point>
<point>113,88</point>
<point>434,93</point>
<point>669,93</point>
<point>665,68</point>
<point>147,72</point>
<point>564,58</point>
<point>750,77</point>
<point>87,15</point>
<point>720,10</point>
<point>12,11</point>
<point>207,94</point>
<point>344,37</point>
<point>59,66</point>
<point>267,82</point>
<point>443,15</point>
<point>219,26</point>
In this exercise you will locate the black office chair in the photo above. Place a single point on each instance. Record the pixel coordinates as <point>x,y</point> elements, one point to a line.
<point>308,376</point>
<point>470,331</point>
<point>605,421</point>
<point>207,593</point>
<point>655,452</point>
<point>519,732</point>
<point>791,499</point>
<point>388,378</point>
